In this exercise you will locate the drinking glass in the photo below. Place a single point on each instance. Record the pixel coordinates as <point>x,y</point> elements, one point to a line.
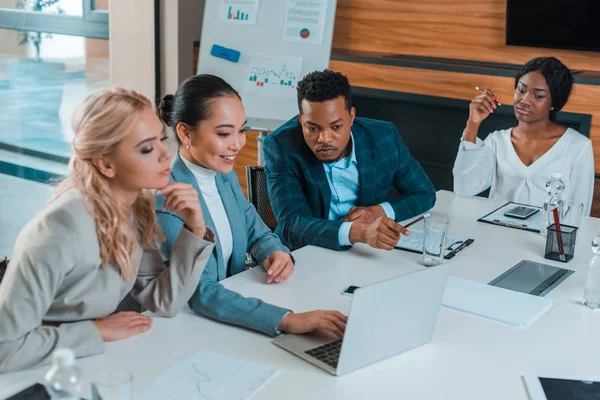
<point>434,240</point>
<point>114,384</point>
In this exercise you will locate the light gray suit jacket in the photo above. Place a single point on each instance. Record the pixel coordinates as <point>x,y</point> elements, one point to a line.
<point>56,284</point>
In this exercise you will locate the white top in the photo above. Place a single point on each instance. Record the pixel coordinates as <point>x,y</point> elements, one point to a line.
<point>494,163</point>
<point>208,188</point>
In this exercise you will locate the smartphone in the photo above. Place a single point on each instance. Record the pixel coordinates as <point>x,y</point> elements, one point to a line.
<point>349,291</point>
<point>521,212</point>
<point>33,392</point>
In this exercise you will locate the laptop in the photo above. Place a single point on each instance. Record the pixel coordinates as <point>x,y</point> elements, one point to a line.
<point>386,318</point>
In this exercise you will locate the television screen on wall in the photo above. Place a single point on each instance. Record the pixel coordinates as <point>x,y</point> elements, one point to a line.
<point>561,24</point>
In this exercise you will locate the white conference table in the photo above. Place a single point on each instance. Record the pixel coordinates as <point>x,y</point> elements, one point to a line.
<point>469,357</point>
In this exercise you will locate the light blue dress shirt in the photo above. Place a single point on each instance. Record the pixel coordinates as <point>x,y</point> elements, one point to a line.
<point>342,177</point>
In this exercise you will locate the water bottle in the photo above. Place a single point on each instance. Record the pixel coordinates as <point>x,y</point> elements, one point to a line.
<point>591,294</point>
<point>64,379</point>
<point>555,186</point>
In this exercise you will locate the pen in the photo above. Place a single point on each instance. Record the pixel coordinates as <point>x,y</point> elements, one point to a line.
<point>483,91</point>
<point>509,224</point>
<point>561,249</point>
<point>417,220</point>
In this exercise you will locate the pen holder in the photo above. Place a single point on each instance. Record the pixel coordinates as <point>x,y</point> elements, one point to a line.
<point>568,234</point>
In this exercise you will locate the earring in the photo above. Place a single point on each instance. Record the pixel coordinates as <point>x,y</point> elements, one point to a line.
<point>188,147</point>
<point>551,109</point>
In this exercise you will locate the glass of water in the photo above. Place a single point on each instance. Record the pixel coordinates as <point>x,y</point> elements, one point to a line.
<point>572,213</point>
<point>113,384</point>
<point>434,240</point>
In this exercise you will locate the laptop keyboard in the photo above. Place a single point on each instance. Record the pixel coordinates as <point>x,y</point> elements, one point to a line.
<point>328,353</point>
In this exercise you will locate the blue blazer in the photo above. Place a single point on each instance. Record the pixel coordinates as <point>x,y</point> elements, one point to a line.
<point>299,190</point>
<point>250,234</point>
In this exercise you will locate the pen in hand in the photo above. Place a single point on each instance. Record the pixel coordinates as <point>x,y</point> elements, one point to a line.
<point>483,91</point>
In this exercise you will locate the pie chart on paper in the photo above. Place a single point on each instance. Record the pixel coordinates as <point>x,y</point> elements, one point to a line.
<point>304,33</point>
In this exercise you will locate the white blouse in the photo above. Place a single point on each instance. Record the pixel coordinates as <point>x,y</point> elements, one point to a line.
<point>208,187</point>
<point>494,163</point>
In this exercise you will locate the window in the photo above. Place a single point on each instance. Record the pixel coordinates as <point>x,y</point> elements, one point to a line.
<point>52,53</point>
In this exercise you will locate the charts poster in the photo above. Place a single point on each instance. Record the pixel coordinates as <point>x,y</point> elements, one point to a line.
<point>304,21</point>
<point>238,11</point>
<point>272,75</point>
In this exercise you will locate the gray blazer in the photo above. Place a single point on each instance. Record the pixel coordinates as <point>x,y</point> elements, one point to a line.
<point>56,284</point>
<point>250,234</point>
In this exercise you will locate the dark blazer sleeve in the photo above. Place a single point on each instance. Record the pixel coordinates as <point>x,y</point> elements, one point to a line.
<point>296,225</point>
<point>417,193</point>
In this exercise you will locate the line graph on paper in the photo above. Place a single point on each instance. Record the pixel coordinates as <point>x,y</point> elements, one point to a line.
<point>273,76</point>
<point>208,376</point>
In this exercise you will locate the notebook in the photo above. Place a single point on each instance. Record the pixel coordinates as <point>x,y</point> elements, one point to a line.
<point>498,304</point>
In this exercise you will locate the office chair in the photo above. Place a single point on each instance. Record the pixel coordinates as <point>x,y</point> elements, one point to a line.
<point>258,195</point>
<point>596,198</point>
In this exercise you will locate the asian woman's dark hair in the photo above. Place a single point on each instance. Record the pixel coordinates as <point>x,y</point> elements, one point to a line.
<point>192,102</point>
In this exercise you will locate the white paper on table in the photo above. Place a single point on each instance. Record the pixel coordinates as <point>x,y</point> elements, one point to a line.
<point>238,11</point>
<point>209,376</point>
<point>304,21</point>
<point>272,75</point>
<point>502,305</point>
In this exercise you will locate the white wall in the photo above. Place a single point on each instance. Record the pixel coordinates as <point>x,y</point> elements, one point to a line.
<point>131,24</point>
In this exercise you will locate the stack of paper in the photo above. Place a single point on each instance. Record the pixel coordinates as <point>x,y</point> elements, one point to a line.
<point>502,305</point>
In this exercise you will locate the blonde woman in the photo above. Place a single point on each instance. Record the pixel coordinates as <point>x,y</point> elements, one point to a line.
<point>96,240</point>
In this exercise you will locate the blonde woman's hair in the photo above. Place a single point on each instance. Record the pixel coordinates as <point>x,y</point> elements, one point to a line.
<point>100,123</point>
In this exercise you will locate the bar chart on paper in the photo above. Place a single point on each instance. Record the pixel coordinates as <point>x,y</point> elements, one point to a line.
<point>273,76</point>
<point>239,11</point>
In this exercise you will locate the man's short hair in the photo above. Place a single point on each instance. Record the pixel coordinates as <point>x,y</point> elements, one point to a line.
<point>320,86</point>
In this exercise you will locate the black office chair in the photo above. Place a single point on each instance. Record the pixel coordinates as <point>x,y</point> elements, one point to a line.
<point>596,198</point>
<point>258,195</point>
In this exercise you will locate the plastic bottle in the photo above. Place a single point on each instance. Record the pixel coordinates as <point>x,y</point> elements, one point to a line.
<point>64,378</point>
<point>591,294</point>
<point>555,186</point>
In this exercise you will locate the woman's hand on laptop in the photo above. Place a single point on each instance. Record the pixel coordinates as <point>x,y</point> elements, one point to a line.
<point>329,320</point>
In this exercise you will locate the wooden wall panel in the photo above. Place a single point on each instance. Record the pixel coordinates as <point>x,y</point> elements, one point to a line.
<point>462,29</point>
<point>584,99</point>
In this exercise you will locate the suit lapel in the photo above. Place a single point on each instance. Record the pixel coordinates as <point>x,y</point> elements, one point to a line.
<point>181,173</point>
<point>235,220</point>
<point>318,172</point>
<point>367,172</point>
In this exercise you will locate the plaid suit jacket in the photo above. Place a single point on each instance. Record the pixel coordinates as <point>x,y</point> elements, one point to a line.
<point>300,194</point>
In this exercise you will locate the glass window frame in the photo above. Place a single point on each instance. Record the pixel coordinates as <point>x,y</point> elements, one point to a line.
<point>93,24</point>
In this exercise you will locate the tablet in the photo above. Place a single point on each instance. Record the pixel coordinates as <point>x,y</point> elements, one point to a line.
<point>532,278</point>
